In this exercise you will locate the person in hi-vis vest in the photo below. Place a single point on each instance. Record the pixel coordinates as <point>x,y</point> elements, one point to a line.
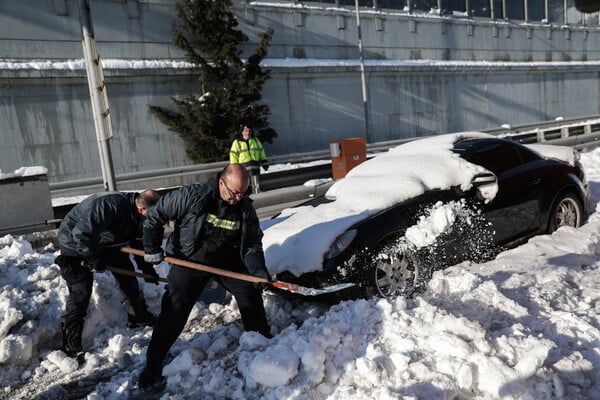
<point>249,151</point>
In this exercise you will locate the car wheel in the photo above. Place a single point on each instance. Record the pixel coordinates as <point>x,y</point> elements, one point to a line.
<point>567,211</point>
<point>396,272</point>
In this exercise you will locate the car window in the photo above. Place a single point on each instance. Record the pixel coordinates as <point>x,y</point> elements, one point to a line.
<point>527,155</point>
<point>500,157</point>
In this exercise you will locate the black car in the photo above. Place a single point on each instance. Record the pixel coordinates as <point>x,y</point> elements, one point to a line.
<point>533,195</point>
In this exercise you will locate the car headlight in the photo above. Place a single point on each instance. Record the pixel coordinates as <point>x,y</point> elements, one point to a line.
<point>340,244</point>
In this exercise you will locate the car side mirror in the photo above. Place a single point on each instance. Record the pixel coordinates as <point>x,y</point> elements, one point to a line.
<point>486,184</point>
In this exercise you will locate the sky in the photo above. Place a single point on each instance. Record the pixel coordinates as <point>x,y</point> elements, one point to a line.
<point>522,326</point>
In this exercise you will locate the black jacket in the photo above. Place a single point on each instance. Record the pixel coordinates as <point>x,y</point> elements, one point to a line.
<point>188,208</point>
<point>101,220</point>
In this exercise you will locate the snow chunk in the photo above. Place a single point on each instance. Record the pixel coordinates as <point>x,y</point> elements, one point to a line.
<point>16,349</point>
<point>438,220</point>
<point>575,369</point>
<point>9,317</point>
<point>275,367</point>
<point>62,361</point>
<point>18,248</point>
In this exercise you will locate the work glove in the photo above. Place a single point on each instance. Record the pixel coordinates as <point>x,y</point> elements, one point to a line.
<point>148,269</point>
<point>61,260</point>
<point>99,267</point>
<point>96,266</point>
<point>154,256</point>
<point>265,165</point>
<point>263,285</point>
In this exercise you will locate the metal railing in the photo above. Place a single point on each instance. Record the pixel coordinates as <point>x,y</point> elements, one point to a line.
<point>577,132</point>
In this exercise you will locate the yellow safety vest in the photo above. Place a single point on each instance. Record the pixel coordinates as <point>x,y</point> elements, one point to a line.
<point>245,151</point>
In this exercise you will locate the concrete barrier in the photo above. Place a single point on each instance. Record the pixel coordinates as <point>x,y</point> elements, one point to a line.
<point>26,204</point>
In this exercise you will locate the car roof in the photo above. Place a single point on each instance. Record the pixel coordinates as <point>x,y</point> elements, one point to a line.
<point>468,145</point>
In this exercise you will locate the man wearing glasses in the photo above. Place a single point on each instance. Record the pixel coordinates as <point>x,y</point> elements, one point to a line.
<point>215,224</point>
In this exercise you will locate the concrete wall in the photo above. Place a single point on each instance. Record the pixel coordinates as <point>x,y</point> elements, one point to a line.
<point>50,29</point>
<point>406,101</point>
<point>46,117</point>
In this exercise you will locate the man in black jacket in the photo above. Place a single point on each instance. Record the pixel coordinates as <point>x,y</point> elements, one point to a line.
<point>89,237</point>
<point>215,224</point>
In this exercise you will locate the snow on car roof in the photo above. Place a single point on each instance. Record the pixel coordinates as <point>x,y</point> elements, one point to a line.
<point>562,153</point>
<point>303,235</point>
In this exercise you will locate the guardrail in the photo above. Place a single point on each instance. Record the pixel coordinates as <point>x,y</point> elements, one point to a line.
<point>578,132</point>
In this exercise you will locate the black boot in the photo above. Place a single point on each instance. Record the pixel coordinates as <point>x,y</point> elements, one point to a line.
<point>150,376</point>
<point>72,340</point>
<point>137,312</point>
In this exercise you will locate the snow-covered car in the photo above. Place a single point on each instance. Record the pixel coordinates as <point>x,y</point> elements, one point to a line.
<point>422,206</point>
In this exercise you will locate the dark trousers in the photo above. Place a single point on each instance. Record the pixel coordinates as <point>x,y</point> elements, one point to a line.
<point>184,287</point>
<point>253,168</point>
<point>80,279</point>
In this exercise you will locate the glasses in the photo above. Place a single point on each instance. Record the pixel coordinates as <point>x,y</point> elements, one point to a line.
<point>231,192</point>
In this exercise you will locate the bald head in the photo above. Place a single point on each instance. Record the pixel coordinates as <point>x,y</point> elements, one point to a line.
<point>145,200</point>
<point>233,183</point>
<point>235,170</point>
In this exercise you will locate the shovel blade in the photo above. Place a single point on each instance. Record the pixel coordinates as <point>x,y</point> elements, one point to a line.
<point>306,291</point>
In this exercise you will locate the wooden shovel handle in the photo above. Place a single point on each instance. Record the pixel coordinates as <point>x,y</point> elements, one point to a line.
<point>202,267</point>
<point>133,273</point>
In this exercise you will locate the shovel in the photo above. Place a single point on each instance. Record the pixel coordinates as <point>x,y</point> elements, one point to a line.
<point>133,273</point>
<point>290,287</point>
<point>122,271</point>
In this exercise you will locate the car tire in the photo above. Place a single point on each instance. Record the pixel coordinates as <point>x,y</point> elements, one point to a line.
<point>399,269</point>
<point>567,211</point>
<point>395,272</point>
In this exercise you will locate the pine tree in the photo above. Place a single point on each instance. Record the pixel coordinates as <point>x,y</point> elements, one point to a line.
<point>230,88</point>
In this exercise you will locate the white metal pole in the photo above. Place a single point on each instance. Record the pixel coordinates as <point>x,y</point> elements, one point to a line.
<point>362,74</point>
<point>98,96</point>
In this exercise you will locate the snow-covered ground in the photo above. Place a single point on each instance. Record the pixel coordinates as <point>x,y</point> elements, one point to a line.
<point>523,326</point>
